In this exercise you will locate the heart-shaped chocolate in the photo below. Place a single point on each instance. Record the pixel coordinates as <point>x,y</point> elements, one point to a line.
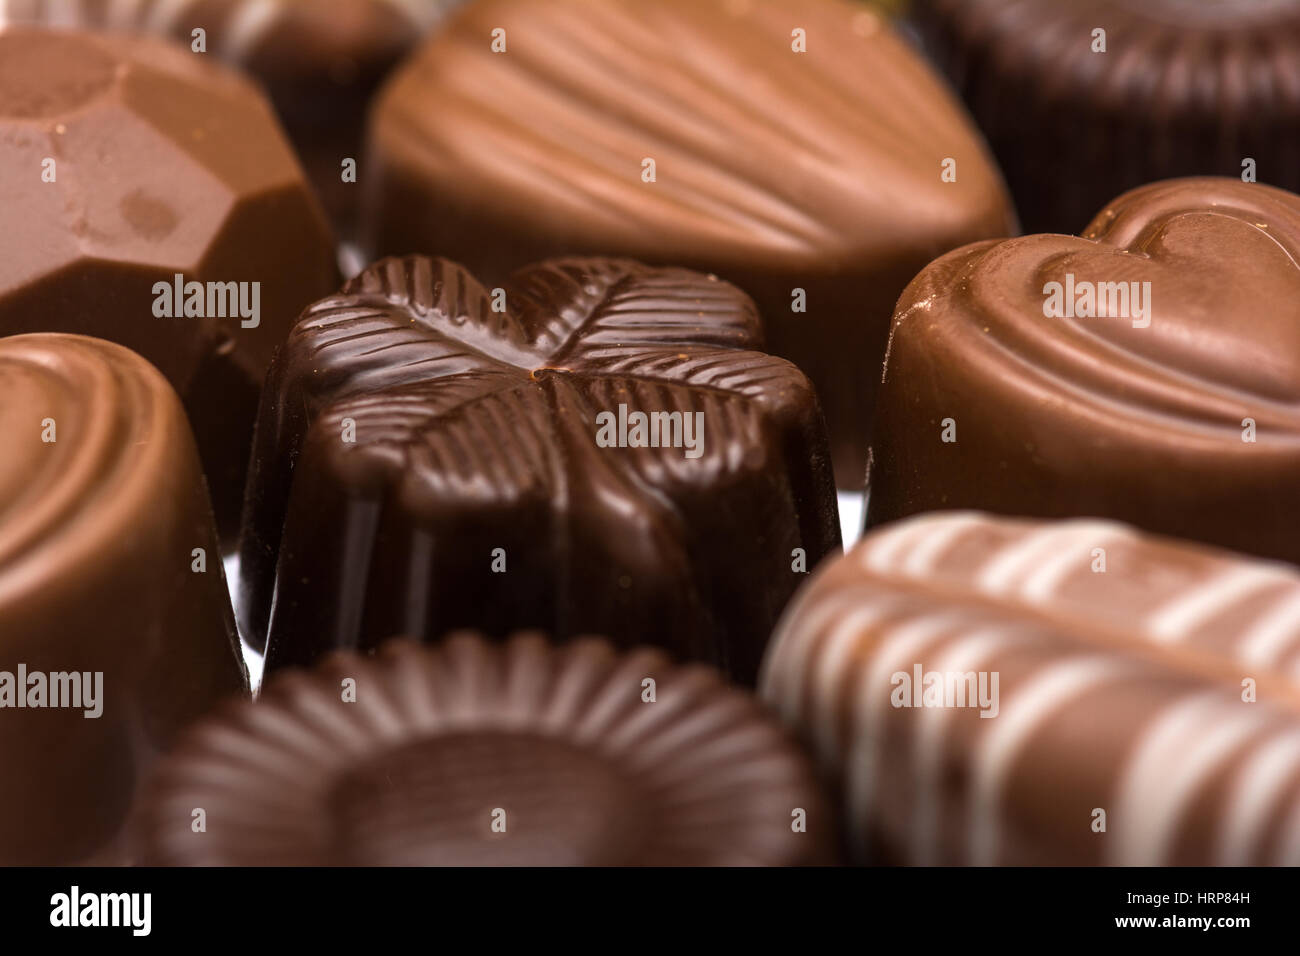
<point>596,446</point>
<point>1148,371</point>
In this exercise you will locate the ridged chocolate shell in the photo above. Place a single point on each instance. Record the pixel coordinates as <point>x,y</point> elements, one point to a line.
<point>480,754</point>
<point>776,169</point>
<point>1185,87</point>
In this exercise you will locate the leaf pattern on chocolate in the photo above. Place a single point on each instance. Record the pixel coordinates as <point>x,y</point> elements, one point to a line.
<point>765,379</point>
<point>460,409</point>
<point>427,321</point>
<point>582,335</point>
<point>612,302</point>
<point>446,439</point>
<point>555,132</point>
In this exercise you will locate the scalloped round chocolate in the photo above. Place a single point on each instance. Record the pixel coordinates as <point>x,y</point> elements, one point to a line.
<point>474,753</point>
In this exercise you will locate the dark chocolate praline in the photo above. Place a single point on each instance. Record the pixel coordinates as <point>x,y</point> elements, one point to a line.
<point>478,754</point>
<point>1083,101</point>
<point>433,453</point>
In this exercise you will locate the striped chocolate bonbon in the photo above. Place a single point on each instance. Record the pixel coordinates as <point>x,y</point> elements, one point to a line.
<point>1143,685</point>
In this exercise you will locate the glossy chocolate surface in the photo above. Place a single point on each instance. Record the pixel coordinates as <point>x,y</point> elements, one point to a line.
<point>319,61</point>
<point>813,180</point>
<point>1184,87</point>
<point>102,507</point>
<point>1184,421</point>
<point>997,692</point>
<point>425,462</point>
<point>127,162</point>
<point>476,754</point>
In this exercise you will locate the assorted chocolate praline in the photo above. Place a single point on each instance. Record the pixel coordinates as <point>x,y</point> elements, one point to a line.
<point>319,61</point>
<point>1043,651</point>
<point>477,753</point>
<point>989,691</point>
<point>1082,101</point>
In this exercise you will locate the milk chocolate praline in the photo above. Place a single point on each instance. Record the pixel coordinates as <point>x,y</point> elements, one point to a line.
<point>128,162</point>
<point>320,61</point>
<point>813,173</point>
<point>989,691</point>
<point>109,567</point>
<point>1178,411</point>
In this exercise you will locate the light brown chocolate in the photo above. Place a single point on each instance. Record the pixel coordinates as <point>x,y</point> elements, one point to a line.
<point>811,179</point>
<point>1146,707</point>
<point>104,523</point>
<point>320,61</point>
<point>126,162</point>
<point>1182,417</point>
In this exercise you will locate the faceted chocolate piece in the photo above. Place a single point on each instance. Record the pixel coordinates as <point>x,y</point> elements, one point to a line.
<point>434,454</point>
<point>1007,389</point>
<point>115,622</point>
<point>988,691</point>
<point>1183,87</point>
<point>698,135</point>
<point>126,163</point>
<point>320,61</point>
<point>475,754</point>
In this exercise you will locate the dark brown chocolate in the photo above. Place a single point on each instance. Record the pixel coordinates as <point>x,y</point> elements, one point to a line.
<point>995,692</point>
<point>799,150</point>
<point>424,462</point>
<point>1148,371</point>
<point>115,623</point>
<point>1167,88</point>
<point>473,754</point>
<point>127,163</point>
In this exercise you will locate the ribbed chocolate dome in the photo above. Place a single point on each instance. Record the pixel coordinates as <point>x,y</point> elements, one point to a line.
<point>473,753</point>
<point>1185,87</point>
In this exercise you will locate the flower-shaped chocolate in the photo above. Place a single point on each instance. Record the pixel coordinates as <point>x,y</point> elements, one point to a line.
<point>596,447</point>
